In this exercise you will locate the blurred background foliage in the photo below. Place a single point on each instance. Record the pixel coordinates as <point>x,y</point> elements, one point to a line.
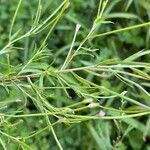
<point>91,135</point>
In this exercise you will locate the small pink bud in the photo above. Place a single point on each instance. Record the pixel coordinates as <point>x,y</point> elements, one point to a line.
<point>101,113</point>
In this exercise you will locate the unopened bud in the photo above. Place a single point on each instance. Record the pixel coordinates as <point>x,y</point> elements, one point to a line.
<point>63,119</point>
<point>18,100</point>
<point>78,27</point>
<point>93,105</point>
<point>88,100</point>
<point>7,55</point>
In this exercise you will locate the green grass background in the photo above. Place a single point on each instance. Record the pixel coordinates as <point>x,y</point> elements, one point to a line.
<point>33,82</point>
